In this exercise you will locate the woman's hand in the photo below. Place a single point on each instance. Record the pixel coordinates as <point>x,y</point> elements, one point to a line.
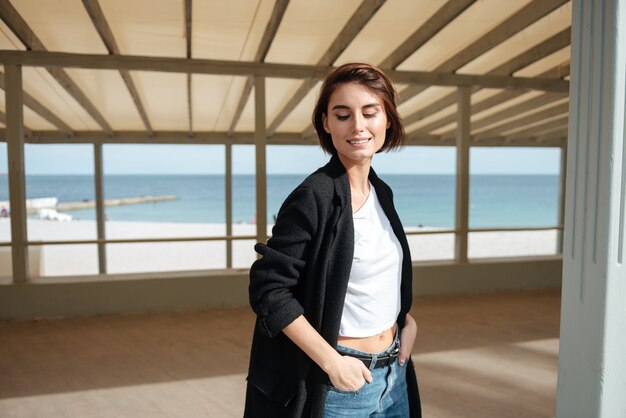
<point>407,339</point>
<point>349,374</point>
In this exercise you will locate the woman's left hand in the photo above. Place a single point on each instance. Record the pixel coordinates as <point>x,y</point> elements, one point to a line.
<point>407,339</point>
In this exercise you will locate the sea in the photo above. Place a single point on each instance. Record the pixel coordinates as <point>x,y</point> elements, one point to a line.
<point>422,200</point>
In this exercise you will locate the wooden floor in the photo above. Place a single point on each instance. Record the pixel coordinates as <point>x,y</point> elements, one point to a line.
<point>476,356</point>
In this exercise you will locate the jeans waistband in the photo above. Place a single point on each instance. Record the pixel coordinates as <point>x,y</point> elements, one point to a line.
<point>375,360</point>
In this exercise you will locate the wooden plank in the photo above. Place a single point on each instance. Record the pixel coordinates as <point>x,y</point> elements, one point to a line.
<point>442,17</point>
<point>20,28</point>
<point>356,23</point>
<point>203,66</point>
<point>526,16</point>
<point>41,110</point>
<point>17,175</point>
<point>104,30</point>
<point>268,37</point>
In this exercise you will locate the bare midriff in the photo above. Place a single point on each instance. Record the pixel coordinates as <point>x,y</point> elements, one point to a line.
<point>374,344</point>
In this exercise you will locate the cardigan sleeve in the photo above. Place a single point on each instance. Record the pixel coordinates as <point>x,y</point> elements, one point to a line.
<point>273,276</point>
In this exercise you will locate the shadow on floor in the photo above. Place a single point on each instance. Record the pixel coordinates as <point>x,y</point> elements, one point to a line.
<point>493,349</point>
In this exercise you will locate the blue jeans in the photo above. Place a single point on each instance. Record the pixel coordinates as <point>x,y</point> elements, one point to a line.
<point>385,397</point>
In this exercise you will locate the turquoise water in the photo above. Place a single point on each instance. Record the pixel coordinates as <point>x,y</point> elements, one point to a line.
<point>427,200</point>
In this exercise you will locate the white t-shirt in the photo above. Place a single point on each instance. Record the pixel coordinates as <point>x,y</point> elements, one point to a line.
<point>372,300</point>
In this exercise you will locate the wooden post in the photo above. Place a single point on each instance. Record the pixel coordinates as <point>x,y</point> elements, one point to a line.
<point>260,140</point>
<point>462,173</point>
<point>17,177</point>
<point>229,204</point>
<point>100,215</point>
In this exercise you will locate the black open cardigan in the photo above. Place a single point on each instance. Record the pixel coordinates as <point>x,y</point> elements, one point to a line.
<point>304,270</point>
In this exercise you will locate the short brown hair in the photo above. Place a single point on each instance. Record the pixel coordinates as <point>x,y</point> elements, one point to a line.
<point>374,79</point>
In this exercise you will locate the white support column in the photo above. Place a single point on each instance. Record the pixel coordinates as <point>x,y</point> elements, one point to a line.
<point>17,176</point>
<point>260,140</point>
<point>592,359</point>
<point>100,215</point>
<point>561,203</point>
<point>462,173</point>
<point>229,204</point>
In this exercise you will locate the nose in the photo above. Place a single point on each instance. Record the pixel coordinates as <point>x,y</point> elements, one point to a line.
<point>358,123</point>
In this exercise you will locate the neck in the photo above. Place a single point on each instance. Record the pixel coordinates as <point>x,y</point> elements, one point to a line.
<point>358,173</point>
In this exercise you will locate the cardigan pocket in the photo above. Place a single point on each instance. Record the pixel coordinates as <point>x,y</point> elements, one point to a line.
<point>272,384</point>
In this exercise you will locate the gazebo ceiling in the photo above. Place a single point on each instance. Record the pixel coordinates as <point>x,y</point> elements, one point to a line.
<point>520,38</point>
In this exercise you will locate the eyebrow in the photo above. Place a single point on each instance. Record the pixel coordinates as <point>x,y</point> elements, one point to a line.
<point>340,107</point>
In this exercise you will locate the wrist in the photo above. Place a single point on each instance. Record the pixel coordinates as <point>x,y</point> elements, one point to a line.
<point>329,363</point>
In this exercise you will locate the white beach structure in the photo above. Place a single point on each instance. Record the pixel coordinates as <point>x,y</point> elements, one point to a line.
<point>490,73</point>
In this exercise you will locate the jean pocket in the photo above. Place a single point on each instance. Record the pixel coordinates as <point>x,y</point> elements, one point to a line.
<point>345,392</point>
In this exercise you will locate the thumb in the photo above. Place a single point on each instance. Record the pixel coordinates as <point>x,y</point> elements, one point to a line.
<point>403,357</point>
<point>367,374</point>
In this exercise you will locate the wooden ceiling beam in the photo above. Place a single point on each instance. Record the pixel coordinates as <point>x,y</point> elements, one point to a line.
<point>535,53</point>
<point>203,66</point>
<point>356,23</point>
<point>41,110</point>
<point>536,130</point>
<point>526,16</point>
<point>515,110</point>
<point>160,137</point>
<point>556,110</point>
<point>266,42</point>
<point>104,30</point>
<point>442,17</point>
<point>24,33</point>
<point>557,133</point>
<point>557,138</point>
<point>559,71</point>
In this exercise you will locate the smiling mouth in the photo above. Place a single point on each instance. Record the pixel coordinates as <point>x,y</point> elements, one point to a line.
<point>358,141</point>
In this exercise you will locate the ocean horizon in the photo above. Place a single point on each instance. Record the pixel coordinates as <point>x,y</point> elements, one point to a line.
<point>422,200</point>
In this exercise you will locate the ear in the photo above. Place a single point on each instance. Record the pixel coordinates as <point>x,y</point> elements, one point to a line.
<point>325,123</point>
<point>388,124</point>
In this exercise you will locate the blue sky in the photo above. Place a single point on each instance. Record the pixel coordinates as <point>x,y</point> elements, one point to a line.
<point>209,159</point>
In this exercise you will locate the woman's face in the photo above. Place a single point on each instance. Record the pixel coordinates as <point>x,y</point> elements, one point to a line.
<point>356,120</point>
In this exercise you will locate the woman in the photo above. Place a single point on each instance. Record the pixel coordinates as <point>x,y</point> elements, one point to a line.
<point>332,290</point>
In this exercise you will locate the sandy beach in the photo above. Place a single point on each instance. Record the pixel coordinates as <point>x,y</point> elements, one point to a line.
<point>62,260</point>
